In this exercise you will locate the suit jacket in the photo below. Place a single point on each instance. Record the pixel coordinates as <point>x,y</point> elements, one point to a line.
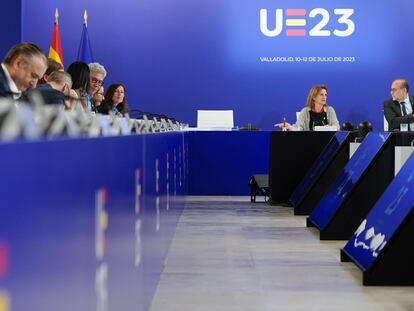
<point>4,85</point>
<point>104,107</point>
<point>49,95</point>
<point>392,112</point>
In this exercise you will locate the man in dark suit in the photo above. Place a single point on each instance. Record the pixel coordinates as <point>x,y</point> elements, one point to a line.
<point>23,65</point>
<point>399,109</point>
<point>55,91</point>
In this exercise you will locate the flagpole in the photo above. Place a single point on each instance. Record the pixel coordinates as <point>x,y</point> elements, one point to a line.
<point>56,16</point>
<point>85,18</point>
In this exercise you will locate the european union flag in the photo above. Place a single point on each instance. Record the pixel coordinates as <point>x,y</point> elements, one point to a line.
<point>85,51</point>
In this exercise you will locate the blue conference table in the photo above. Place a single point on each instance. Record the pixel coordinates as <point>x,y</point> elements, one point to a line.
<point>87,223</point>
<point>222,162</point>
<point>291,156</point>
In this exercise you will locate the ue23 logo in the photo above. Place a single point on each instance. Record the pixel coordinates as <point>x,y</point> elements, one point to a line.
<point>295,21</point>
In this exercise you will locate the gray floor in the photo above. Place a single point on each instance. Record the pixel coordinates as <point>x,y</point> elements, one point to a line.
<point>229,254</point>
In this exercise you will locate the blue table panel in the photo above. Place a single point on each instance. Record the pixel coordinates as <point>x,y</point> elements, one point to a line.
<point>86,223</point>
<point>386,216</point>
<point>317,168</point>
<point>222,162</point>
<point>354,169</point>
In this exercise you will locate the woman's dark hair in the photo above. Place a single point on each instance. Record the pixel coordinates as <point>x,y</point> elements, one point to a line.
<point>122,107</point>
<point>79,71</point>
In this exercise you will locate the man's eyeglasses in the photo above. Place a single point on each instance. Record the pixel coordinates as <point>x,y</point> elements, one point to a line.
<point>96,81</point>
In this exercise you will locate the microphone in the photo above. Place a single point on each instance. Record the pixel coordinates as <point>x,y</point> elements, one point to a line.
<point>135,113</point>
<point>150,115</point>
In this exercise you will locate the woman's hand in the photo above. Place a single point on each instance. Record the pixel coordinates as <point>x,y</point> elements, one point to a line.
<point>285,126</point>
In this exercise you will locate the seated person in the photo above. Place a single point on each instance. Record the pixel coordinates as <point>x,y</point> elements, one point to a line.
<point>315,113</point>
<point>73,102</point>
<point>399,109</point>
<point>115,98</point>
<point>52,66</point>
<point>98,97</point>
<point>102,106</point>
<point>55,91</point>
<point>96,78</point>
<point>22,67</point>
<point>80,74</point>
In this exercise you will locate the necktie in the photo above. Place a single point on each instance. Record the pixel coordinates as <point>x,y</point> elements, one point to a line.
<point>403,109</point>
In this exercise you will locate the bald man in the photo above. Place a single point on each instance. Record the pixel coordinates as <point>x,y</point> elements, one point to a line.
<point>399,109</point>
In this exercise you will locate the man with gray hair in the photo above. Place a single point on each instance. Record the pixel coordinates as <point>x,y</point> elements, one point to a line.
<point>22,67</point>
<point>96,78</point>
<point>55,90</point>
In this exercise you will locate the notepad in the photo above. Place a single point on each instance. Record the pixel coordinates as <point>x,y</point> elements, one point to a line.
<point>326,128</point>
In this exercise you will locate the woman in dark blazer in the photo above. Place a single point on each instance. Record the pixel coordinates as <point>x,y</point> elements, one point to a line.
<point>116,100</point>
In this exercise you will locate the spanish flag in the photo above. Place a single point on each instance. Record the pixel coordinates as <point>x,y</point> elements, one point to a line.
<point>4,301</point>
<point>55,51</point>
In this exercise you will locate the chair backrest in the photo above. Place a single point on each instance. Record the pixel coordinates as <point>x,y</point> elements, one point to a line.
<point>211,119</point>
